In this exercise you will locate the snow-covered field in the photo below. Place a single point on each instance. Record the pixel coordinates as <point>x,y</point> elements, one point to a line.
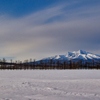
<point>49,84</point>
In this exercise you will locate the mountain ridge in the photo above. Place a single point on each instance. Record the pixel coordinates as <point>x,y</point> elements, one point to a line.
<point>75,55</point>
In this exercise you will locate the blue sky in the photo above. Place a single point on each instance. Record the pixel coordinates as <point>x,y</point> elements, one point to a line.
<point>42,28</point>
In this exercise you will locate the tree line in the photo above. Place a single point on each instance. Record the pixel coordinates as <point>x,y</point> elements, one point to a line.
<point>49,64</point>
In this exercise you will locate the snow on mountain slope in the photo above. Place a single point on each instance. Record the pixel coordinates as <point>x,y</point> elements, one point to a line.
<point>75,55</point>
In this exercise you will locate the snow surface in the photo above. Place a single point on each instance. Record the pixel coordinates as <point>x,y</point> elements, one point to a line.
<point>49,84</point>
<point>75,55</point>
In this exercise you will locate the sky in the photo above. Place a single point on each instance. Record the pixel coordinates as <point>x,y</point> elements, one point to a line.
<point>42,28</point>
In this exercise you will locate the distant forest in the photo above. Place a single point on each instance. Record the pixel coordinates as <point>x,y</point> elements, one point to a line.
<point>49,64</point>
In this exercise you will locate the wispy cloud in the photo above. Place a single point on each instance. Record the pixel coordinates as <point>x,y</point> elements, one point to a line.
<point>50,31</point>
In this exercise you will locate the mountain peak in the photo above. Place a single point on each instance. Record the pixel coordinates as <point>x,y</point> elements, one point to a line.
<point>75,55</point>
<point>81,52</point>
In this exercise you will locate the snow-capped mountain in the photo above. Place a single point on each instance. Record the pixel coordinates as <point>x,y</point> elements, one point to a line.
<point>75,56</point>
